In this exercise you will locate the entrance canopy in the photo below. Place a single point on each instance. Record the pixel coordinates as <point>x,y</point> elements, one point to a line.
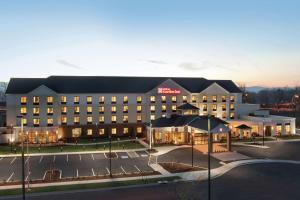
<point>243,127</point>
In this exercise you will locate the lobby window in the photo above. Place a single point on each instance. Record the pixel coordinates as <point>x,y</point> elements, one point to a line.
<point>152,108</point>
<point>125,99</point>
<point>23,100</point>
<point>113,119</point>
<point>50,122</point>
<point>36,121</point>
<point>139,99</point>
<point>204,98</point>
<point>174,99</point>
<point>89,110</point>
<point>89,120</point>
<point>76,99</point>
<point>36,100</point>
<point>204,107</point>
<point>231,106</point>
<point>288,128</point>
<point>114,109</point>
<point>49,111</point>
<point>101,99</point>
<point>89,100</point>
<point>214,107</point>
<point>231,115</point>
<point>101,109</point>
<point>279,129</point>
<point>63,120</point>
<point>125,109</point>
<point>163,108</point>
<point>49,100</point>
<point>64,110</point>
<point>138,109</point>
<point>113,131</point>
<point>76,110</point>
<point>101,131</point>
<point>152,117</point>
<point>174,108</point>
<point>76,132</point>
<point>194,98</point>
<point>214,98</point>
<point>152,99</point>
<point>76,120</point>
<point>139,118</point>
<point>113,99</point>
<point>23,110</point>
<point>24,121</point>
<point>101,119</point>
<point>125,130</point>
<point>232,98</point>
<point>63,99</point>
<point>223,107</point>
<point>36,111</point>
<point>139,129</point>
<point>125,118</point>
<point>89,131</point>
<point>223,98</point>
<point>163,99</point>
<point>184,99</point>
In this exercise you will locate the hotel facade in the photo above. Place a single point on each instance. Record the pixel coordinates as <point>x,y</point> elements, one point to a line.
<point>68,107</point>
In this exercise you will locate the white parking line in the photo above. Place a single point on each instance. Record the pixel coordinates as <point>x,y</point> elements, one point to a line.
<point>67,157</point>
<point>93,172</point>
<point>45,175</point>
<point>123,170</point>
<point>1,158</point>
<point>12,174</point>
<point>41,159</point>
<point>54,158</point>
<point>93,156</point>
<point>13,160</point>
<point>77,173</point>
<point>27,159</point>
<point>79,157</point>
<point>27,176</point>
<point>137,168</point>
<point>146,152</point>
<point>107,170</point>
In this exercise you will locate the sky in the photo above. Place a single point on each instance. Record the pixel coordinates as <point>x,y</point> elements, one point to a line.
<point>253,42</point>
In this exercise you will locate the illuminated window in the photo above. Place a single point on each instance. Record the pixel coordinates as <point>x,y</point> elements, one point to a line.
<point>139,109</point>
<point>279,129</point>
<point>24,121</point>
<point>152,99</point>
<point>76,99</point>
<point>63,99</point>
<point>204,98</point>
<point>174,108</point>
<point>36,111</point>
<point>184,99</point>
<point>76,119</point>
<point>101,119</point>
<point>224,116</point>
<point>152,117</point>
<point>89,100</point>
<point>152,108</point>
<point>76,132</point>
<point>163,98</point>
<point>224,107</point>
<point>89,109</point>
<point>101,131</point>
<point>113,109</point>
<point>231,106</point>
<point>113,131</point>
<point>174,99</point>
<point>64,120</point>
<point>139,118</point>
<point>287,128</point>
<point>204,107</point>
<point>223,98</point>
<point>23,100</point>
<point>232,98</point>
<point>163,108</point>
<point>36,100</point>
<point>125,109</point>
<point>125,118</point>
<point>139,129</point>
<point>232,115</point>
<point>89,131</point>
<point>89,119</point>
<point>36,121</point>
<point>101,99</point>
<point>113,118</point>
<point>194,98</point>
<point>113,99</point>
<point>76,109</point>
<point>125,130</point>
<point>139,99</point>
<point>49,121</point>
<point>23,110</point>
<point>64,110</point>
<point>101,109</point>
<point>49,100</point>
<point>214,107</point>
<point>49,111</point>
<point>125,99</point>
<point>214,98</point>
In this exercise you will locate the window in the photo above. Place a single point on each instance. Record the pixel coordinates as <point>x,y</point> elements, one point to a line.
<point>139,129</point>
<point>64,120</point>
<point>231,106</point>
<point>125,99</point>
<point>139,118</point>
<point>113,109</point>
<point>63,99</point>
<point>139,99</point>
<point>163,108</point>
<point>49,111</point>
<point>113,131</point>
<point>223,98</point>
<point>89,131</point>
<point>76,110</point>
<point>23,100</point>
<point>224,116</point>
<point>224,107</point>
<point>23,110</point>
<point>101,131</point>
<point>174,108</point>
<point>113,99</point>
<point>36,111</point>
<point>174,99</point>
<point>76,132</point>
<point>36,100</point>
<point>152,108</point>
<point>76,99</point>
<point>138,109</point>
<point>214,98</point>
<point>113,118</point>
<point>204,107</point>
<point>76,120</point>
<point>89,100</point>
<point>50,122</point>
<point>204,98</point>
<point>288,128</point>
<point>101,109</point>
<point>232,115</point>
<point>101,99</point>
<point>152,117</point>
<point>125,109</point>
<point>194,98</point>
<point>24,121</point>
<point>89,119</point>
<point>49,100</point>
<point>125,118</point>
<point>152,99</point>
<point>214,107</point>
<point>89,109</point>
<point>64,110</point>
<point>232,98</point>
<point>125,130</point>
<point>36,121</point>
<point>163,99</point>
<point>279,129</point>
<point>184,99</point>
<point>101,119</point>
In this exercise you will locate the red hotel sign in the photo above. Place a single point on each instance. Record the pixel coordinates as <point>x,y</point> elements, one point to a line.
<point>167,91</point>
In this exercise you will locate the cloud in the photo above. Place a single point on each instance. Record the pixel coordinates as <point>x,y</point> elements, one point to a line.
<point>159,62</point>
<point>191,66</point>
<point>68,64</point>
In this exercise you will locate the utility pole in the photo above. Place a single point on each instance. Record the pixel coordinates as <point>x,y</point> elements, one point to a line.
<point>209,151</point>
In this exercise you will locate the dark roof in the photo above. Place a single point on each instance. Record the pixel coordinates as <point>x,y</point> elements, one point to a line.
<point>243,126</point>
<point>187,106</point>
<point>190,120</point>
<point>110,84</point>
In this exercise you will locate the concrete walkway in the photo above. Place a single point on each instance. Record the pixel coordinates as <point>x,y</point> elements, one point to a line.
<point>165,149</point>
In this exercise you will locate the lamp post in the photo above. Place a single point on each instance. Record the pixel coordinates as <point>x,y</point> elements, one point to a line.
<point>28,161</point>
<point>264,129</point>
<point>23,167</point>
<point>11,141</point>
<point>192,149</point>
<point>150,133</point>
<point>110,174</point>
<point>208,153</point>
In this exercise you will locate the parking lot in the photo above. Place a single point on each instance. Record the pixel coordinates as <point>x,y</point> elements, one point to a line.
<point>74,165</point>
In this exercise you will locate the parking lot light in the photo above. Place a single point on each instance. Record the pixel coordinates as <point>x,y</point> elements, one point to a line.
<point>110,174</point>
